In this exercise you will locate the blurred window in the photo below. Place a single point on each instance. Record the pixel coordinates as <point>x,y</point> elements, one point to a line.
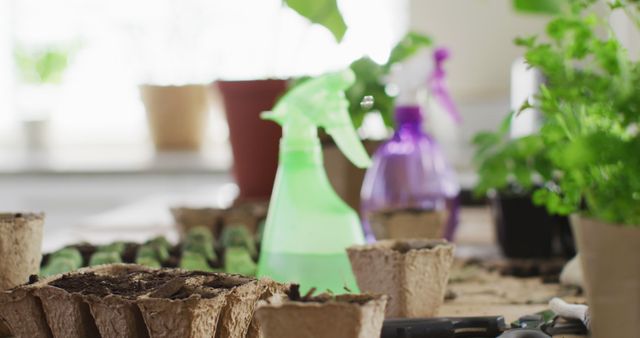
<point>113,46</point>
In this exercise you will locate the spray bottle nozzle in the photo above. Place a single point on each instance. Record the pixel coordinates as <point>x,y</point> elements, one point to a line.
<point>438,87</point>
<point>320,102</point>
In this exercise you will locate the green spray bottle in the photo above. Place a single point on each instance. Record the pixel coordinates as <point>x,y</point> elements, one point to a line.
<point>308,226</point>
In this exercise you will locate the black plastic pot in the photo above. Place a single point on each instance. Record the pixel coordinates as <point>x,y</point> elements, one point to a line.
<point>525,230</point>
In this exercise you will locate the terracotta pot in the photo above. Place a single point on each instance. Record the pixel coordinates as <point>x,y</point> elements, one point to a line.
<point>610,256</point>
<point>345,316</point>
<point>414,273</point>
<point>254,142</point>
<point>177,115</point>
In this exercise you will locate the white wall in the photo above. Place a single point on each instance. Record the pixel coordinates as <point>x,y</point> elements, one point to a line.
<point>480,35</point>
<point>6,78</point>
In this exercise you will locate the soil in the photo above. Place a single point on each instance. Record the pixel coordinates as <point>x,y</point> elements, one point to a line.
<point>404,247</point>
<point>294,295</point>
<point>158,284</point>
<point>129,286</point>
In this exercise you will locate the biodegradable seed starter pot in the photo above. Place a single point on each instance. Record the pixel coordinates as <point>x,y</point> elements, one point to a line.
<point>20,247</point>
<point>133,301</point>
<point>20,250</point>
<point>323,316</point>
<point>414,273</point>
<point>610,257</point>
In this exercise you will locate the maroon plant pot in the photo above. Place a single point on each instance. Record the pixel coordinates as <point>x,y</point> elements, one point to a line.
<point>254,142</point>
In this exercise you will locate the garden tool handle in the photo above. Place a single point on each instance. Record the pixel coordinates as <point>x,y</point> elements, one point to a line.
<point>462,327</point>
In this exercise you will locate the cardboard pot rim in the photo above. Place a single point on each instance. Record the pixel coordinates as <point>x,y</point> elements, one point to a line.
<point>13,217</point>
<point>339,300</point>
<point>420,245</point>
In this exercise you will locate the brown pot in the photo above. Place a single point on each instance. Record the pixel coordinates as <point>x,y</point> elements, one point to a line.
<point>345,177</point>
<point>177,115</point>
<point>345,316</point>
<point>414,273</point>
<point>254,142</point>
<point>610,256</point>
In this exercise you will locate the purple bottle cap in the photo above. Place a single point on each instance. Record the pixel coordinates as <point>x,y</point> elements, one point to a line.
<point>408,114</point>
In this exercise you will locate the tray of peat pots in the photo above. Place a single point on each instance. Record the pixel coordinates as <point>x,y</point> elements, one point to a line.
<point>414,273</point>
<point>250,215</point>
<point>322,316</point>
<point>132,301</point>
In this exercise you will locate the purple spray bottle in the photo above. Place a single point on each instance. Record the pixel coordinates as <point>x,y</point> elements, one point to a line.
<point>411,190</point>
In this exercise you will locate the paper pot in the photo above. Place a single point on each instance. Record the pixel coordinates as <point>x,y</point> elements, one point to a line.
<point>345,316</point>
<point>95,302</point>
<point>610,257</point>
<point>409,224</point>
<point>211,302</point>
<point>267,289</point>
<point>192,317</point>
<point>177,115</point>
<point>131,301</point>
<point>23,314</point>
<point>414,273</point>
<point>67,315</point>
<point>20,248</point>
<point>247,214</point>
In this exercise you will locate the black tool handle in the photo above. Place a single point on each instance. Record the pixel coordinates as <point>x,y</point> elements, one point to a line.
<point>476,327</point>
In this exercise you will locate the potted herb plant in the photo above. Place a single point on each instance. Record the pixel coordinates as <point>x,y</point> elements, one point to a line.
<point>40,71</point>
<point>591,108</point>
<point>509,170</point>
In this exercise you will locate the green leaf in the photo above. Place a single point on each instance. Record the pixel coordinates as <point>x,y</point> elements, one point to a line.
<point>408,46</point>
<point>322,12</point>
<point>539,6</point>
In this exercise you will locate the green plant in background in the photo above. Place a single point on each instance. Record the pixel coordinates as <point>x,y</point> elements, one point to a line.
<point>370,76</point>
<point>591,106</point>
<point>370,79</point>
<point>540,6</point>
<point>322,12</point>
<point>42,66</point>
<point>510,166</point>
